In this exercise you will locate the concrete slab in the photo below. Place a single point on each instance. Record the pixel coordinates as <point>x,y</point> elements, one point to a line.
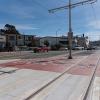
<point>94,93</point>
<point>68,87</point>
<point>96,89</point>
<point>23,83</point>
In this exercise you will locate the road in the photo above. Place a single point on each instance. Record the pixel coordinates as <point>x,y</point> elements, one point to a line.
<point>31,54</point>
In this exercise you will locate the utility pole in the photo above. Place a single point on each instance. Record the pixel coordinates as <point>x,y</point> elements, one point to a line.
<point>70,6</point>
<point>70,33</point>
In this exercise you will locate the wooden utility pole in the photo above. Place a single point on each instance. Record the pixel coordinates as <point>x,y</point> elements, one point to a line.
<point>70,6</point>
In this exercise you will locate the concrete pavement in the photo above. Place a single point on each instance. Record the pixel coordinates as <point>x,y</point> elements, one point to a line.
<point>54,78</point>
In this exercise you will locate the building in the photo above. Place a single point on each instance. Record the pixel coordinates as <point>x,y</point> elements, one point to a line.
<point>95,43</point>
<point>2,40</point>
<point>20,40</point>
<point>63,41</point>
<point>28,40</point>
<point>54,40</point>
<point>82,41</point>
<point>11,38</point>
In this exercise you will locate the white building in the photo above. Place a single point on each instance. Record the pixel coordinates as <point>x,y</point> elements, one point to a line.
<point>54,40</point>
<point>63,41</point>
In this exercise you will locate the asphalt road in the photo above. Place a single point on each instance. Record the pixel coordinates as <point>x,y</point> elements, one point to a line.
<point>31,54</point>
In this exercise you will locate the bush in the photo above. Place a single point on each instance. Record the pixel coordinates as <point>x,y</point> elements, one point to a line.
<point>55,47</point>
<point>46,42</point>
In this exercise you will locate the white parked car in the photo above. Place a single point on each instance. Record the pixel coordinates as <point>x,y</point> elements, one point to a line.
<point>66,48</point>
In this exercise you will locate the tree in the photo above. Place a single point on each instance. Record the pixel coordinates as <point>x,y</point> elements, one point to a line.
<point>10,29</point>
<point>55,47</point>
<point>46,42</point>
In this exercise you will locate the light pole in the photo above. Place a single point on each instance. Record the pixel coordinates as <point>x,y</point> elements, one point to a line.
<point>70,33</point>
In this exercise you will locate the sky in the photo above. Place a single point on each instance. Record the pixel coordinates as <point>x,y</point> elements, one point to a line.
<point>32,17</point>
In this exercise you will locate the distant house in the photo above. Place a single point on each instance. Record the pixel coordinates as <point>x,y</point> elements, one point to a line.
<point>82,41</point>
<point>13,38</point>
<point>63,41</point>
<point>95,43</point>
<point>54,40</point>
<point>28,40</point>
<point>2,40</point>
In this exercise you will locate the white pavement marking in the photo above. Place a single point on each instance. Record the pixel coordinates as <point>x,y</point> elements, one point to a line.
<point>22,83</point>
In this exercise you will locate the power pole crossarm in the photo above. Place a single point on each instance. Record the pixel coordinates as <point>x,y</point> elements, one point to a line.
<point>72,5</point>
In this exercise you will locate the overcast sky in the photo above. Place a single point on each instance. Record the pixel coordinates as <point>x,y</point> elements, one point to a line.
<point>32,17</point>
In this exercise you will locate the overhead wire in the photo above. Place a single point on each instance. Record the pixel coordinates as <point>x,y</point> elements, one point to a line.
<point>96,22</point>
<point>94,14</point>
<point>46,9</point>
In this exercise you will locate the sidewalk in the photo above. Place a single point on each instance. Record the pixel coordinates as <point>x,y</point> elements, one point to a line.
<point>31,79</point>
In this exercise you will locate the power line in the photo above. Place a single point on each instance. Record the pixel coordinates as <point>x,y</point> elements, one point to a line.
<point>94,14</point>
<point>72,5</point>
<point>39,4</point>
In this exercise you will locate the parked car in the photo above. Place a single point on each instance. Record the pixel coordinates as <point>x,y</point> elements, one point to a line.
<point>63,48</point>
<point>78,48</point>
<point>41,49</point>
